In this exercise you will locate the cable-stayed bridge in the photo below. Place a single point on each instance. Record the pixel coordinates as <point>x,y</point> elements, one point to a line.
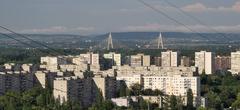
<point>115,41</point>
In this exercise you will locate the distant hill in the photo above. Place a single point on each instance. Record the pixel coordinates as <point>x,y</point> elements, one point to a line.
<point>128,39</point>
<point>169,35</point>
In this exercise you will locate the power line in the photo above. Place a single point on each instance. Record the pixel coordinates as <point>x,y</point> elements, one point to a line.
<point>27,45</point>
<point>171,18</point>
<point>6,35</point>
<point>194,18</point>
<point>23,36</point>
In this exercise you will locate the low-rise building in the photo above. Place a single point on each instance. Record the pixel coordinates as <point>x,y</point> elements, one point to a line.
<point>121,101</point>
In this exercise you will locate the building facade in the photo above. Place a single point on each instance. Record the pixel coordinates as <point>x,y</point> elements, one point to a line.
<point>91,58</point>
<point>169,59</point>
<point>222,63</point>
<point>116,58</point>
<point>140,60</point>
<point>205,62</point>
<point>185,61</point>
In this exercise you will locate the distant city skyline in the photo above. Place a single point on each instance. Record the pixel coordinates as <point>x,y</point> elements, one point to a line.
<point>94,16</point>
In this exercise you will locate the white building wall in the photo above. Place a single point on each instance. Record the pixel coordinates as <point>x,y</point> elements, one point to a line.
<point>205,62</point>
<point>235,62</point>
<point>169,59</point>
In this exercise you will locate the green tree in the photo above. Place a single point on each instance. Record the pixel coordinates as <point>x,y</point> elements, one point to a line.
<point>123,89</point>
<point>41,100</point>
<point>136,89</point>
<point>173,102</point>
<point>214,100</point>
<point>189,99</point>
<point>201,108</point>
<point>236,103</point>
<point>88,74</point>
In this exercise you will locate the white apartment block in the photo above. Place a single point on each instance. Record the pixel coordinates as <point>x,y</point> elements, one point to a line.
<point>91,58</point>
<point>176,85</point>
<point>107,85</point>
<point>45,78</point>
<point>205,62</point>
<point>74,67</point>
<point>131,79</point>
<point>53,60</point>
<point>51,63</point>
<point>155,70</point>
<point>169,59</point>
<point>235,62</point>
<point>83,89</point>
<point>116,58</point>
<point>140,60</point>
<point>74,89</point>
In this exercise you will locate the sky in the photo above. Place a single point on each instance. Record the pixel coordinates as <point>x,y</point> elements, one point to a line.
<point>85,17</point>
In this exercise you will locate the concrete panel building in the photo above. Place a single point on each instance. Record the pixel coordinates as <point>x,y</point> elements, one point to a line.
<point>107,86</point>
<point>205,62</point>
<point>91,58</point>
<point>170,59</point>
<point>222,62</point>
<point>114,57</point>
<point>235,62</point>
<point>130,80</point>
<point>17,81</point>
<point>74,89</point>
<point>140,60</point>
<point>176,85</point>
<point>157,61</point>
<point>185,61</point>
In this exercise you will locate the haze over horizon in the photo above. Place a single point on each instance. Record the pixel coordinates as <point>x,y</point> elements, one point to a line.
<point>94,16</point>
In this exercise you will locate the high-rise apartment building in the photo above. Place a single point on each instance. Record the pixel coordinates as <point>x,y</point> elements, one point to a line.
<point>205,62</point>
<point>74,89</point>
<point>84,89</point>
<point>107,86</point>
<point>157,61</point>
<point>91,58</point>
<point>222,63</point>
<point>114,57</point>
<point>17,81</point>
<point>140,60</point>
<point>185,61</point>
<point>235,62</point>
<point>170,59</point>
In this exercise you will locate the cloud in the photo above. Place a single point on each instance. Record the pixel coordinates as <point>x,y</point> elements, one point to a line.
<point>86,29</point>
<point>199,7</point>
<point>236,6</point>
<point>58,29</point>
<point>174,28</point>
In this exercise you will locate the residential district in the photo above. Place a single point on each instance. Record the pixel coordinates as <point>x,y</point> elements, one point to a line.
<point>79,78</point>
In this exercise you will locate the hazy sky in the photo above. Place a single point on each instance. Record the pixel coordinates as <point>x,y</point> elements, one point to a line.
<point>101,16</point>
